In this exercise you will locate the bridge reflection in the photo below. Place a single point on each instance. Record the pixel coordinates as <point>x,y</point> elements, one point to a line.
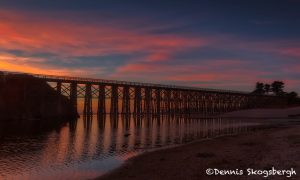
<point>88,143</point>
<point>135,132</point>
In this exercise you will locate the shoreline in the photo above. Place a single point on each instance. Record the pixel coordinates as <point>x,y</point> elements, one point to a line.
<point>189,161</point>
<point>264,113</point>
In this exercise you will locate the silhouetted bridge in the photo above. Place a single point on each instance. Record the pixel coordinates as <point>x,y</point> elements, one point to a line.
<point>147,98</point>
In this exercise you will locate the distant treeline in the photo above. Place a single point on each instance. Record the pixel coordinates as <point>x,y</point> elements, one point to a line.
<point>276,88</point>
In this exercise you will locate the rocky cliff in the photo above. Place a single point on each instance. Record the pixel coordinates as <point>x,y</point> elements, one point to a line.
<point>24,97</point>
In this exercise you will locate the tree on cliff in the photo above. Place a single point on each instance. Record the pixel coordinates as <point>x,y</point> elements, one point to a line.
<point>267,88</point>
<point>277,88</point>
<point>259,89</point>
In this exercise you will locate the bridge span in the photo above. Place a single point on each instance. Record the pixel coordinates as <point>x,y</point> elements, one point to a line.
<point>124,97</point>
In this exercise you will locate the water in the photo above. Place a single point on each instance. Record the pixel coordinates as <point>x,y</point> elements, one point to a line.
<point>90,147</point>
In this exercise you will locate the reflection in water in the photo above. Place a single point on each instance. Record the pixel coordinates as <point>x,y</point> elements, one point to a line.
<point>93,145</point>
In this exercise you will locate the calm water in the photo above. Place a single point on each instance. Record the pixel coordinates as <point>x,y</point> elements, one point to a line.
<point>90,147</point>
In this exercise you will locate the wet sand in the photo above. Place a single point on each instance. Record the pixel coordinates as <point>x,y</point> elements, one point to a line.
<point>277,146</point>
<point>264,113</point>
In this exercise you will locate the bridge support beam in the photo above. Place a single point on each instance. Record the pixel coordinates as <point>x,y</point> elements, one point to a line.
<point>148,99</point>
<point>185,102</point>
<point>59,102</point>
<point>137,100</point>
<point>126,100</point>
<point>167,101</point>
<point>114,100</point>
<point>88,109</point>
<point>158,101</point>
<point>101,100</point>
<point>73,95</point>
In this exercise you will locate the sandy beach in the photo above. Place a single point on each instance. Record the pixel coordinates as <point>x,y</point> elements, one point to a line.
<point>264,113</point>
<point>275,146</point>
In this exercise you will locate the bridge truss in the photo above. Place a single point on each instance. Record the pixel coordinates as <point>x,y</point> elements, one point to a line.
<point>122,97</point>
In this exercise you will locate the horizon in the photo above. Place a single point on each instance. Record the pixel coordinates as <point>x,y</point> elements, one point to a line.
<point>216,45</point>
<point>143,83</point>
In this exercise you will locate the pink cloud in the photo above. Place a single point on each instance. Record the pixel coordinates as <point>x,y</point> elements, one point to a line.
<point>60,36</point>
<point>221,76</point>
<point>202,71</point>
<point>222,73</point>
<point>34,33</point>
<point>159,56</point>
<point>290,47</point>
<point>293,51</point>
<point>194,77</point>
<point>129,68</point>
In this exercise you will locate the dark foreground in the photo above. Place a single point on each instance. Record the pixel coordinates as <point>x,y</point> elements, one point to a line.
<point>276,146</point>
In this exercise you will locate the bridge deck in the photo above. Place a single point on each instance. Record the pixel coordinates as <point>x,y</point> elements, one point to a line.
<point>144,98</point>
<point>81,80</point>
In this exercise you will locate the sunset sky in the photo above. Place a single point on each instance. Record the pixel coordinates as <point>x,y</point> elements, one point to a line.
<point>213,44</point>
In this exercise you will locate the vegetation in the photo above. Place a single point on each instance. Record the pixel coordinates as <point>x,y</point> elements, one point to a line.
<point>277,89</point>
<point>267,88</point>
<point>259,88</point>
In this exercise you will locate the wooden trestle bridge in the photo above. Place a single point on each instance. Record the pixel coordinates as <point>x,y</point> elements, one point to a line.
<point>147,98</point>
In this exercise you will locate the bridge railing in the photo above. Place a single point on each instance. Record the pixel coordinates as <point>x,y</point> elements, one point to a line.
<point>118,82</point>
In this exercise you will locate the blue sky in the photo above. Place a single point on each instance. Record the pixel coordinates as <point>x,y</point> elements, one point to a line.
<point>214,44</point>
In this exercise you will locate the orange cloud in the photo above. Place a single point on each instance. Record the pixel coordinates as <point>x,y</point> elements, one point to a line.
<point>38,33</point>
<point>66,38</point>
<point>19,64</point>
<point>24,32</point>
<point>5,66</point>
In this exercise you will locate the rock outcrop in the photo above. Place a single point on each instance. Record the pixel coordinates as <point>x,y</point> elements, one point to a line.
<point>24,97</point>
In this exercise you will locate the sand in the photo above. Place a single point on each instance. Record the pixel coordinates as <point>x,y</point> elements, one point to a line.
<point>264,113</point>
<point>277,146</point>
